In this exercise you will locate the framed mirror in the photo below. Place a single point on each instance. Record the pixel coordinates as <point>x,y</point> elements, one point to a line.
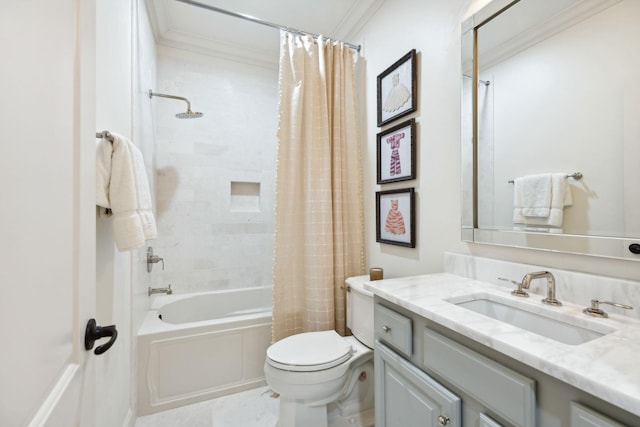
<point>552,88</point>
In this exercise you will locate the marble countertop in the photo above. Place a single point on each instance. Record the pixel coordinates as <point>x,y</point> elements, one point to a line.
<point>607,367</point>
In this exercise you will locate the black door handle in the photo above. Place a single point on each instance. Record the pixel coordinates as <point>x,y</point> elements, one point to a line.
<point>94,332</point>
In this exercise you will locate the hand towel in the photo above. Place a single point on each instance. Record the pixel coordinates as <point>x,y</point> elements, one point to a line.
<point>532,194</point>
<point>122,187</point>
<point>560,197</point>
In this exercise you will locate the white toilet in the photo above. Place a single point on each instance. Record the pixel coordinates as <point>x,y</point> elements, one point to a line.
<point>325,379</point>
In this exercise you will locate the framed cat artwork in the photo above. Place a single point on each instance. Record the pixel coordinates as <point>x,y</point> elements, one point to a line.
<point>396,153</point>
<point>395,217</point>
<point>397,89</point>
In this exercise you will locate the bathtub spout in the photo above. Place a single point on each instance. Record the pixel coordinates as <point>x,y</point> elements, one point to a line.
<point>166,290</point>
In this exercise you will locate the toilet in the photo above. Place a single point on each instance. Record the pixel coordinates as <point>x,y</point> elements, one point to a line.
<point>324,379</point>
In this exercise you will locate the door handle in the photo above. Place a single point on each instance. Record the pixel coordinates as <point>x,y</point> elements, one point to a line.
<point>94,332</point>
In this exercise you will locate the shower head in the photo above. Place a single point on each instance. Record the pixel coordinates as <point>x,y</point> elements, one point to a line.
<point>187,114</point>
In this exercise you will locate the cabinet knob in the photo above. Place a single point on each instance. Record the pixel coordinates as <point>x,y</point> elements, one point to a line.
<point>385,328</point>
<point>443,420</point>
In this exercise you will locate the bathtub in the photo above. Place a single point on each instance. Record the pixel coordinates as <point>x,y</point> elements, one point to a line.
<point>195,347</point>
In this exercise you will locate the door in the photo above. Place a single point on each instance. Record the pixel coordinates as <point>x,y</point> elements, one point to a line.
<point>47,213</point>
<point>408,397</point>
<point>582,416</point>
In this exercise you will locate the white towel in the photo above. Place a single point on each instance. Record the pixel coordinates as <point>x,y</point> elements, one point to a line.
<point>532,194</point>
<point>122,187</point>
<point>559,194</point>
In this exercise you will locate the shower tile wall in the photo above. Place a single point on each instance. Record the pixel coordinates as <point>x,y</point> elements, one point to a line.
<point>206,243</point>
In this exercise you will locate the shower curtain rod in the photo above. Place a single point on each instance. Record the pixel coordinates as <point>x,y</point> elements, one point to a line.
<point>260,21</point>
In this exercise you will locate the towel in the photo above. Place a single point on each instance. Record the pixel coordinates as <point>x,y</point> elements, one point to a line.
<point>530,209</point>
<point>532,194</point>
<point>122,188</point>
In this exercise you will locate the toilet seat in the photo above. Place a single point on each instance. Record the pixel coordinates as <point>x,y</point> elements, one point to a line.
<point>309,351</point>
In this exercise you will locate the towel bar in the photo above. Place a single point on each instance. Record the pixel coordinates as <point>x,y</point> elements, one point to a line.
<point>105,134</point>
<point>576,175</point>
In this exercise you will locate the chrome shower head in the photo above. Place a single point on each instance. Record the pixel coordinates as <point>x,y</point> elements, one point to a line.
<point>187,114</point>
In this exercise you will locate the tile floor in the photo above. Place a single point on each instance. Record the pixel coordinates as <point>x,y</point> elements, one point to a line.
<point>252,408</point>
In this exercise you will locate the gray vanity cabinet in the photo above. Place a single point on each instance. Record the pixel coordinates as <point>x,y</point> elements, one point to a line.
<point>408,355</point>
<point>407,397</point>
<point>428,375</point>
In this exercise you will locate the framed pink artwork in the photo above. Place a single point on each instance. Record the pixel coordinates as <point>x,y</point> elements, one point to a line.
<point>395,217</point>
<point>396,153</point>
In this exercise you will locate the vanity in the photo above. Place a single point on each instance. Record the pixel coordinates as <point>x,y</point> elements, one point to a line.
<point>547,87</point>
<point>441,359</point>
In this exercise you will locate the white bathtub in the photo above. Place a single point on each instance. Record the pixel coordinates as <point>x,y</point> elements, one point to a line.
<point>204,345</point>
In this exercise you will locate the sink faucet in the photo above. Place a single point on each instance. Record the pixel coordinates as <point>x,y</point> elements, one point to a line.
<point>551,285</point>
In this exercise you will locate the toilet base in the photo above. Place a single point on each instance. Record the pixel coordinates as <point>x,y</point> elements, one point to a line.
<point>354,407</point>
<point>297,414</point>
<point>294,413</point>
<point>361,419</point>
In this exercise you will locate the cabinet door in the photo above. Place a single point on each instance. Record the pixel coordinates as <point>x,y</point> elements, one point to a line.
<point>486,421</point>
<point>407,397</point>
<point>581,416</point>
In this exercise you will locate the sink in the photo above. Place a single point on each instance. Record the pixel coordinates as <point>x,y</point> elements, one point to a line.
<point>543,321</point>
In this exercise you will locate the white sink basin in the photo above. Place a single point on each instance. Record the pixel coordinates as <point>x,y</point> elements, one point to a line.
<point>544,321</point>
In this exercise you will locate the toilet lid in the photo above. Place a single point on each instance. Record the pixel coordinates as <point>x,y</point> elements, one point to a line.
<point>310,351</point>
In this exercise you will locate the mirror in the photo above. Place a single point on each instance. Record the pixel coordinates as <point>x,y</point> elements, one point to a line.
<point>552,87</point>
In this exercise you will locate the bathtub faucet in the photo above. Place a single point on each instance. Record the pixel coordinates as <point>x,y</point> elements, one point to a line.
<point>166,290</point>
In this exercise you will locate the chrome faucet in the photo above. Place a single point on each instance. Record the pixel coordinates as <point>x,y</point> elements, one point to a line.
<point>551,285</point>
<point>166,290</point>
<point>153,259</point>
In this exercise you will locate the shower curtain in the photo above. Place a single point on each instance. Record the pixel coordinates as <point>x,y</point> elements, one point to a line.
<point>319,237</point>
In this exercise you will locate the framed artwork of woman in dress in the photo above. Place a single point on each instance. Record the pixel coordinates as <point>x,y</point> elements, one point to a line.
<point>397,89</point>
<point>395,213</point>
<point>396,150</point>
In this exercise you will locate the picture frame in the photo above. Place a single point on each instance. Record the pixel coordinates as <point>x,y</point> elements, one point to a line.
<point>396,153</point>
<point>395,217</point>
<point>397,93</point>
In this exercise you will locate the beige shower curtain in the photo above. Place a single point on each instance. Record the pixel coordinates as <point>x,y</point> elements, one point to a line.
<point>319,219</point>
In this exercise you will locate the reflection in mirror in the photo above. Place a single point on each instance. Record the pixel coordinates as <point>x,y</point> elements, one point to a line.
<point>552,88</point>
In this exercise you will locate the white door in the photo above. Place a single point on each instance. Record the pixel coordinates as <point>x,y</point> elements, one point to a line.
<point>47,213</point>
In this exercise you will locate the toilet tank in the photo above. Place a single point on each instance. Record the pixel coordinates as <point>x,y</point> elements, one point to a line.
<point>360,310</point>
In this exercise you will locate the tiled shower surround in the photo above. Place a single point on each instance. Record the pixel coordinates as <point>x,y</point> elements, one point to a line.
<point>215,176</point>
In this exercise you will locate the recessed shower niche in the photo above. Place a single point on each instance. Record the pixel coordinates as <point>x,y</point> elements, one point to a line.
<point>245,197</point>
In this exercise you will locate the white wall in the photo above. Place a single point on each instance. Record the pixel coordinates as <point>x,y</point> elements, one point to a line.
<point>125,62</point>
<point>214,234</point>
<point>144,78</point>
<point>113,268</point>
<point>432,27</point>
